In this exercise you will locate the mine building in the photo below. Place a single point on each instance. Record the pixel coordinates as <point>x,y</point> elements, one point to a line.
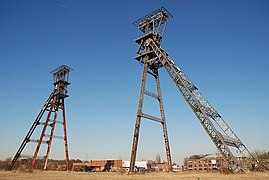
<point>207,162</point>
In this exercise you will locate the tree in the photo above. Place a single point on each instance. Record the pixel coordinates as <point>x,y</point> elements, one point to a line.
<point>261,155</point>
<point>158,158</point>
<point>263,158</point>
<point>6,163</point>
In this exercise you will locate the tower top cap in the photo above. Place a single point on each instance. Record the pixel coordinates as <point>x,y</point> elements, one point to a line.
<point>61,73</point>
<point>147,17</point>
<point>154,22</point>
<point>62,68</point>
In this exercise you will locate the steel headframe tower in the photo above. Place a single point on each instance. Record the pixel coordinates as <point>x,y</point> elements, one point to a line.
<point>52,106</point>
<point>151,26</point>
<point>150,31</point>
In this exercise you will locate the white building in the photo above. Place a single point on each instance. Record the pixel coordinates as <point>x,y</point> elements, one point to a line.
<point>138,165</point>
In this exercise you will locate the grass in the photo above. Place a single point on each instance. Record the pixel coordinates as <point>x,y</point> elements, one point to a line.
<point>54,175</point>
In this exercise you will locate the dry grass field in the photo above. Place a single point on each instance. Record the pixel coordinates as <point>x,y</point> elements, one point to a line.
<point>52,175</point>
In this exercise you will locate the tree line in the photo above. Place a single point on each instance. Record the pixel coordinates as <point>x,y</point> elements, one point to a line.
<point>25,164</point>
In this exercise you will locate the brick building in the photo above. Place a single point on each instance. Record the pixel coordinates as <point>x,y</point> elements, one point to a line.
<point>208,162</point>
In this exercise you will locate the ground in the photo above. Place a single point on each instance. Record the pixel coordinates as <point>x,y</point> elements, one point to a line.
<point>53,175</point>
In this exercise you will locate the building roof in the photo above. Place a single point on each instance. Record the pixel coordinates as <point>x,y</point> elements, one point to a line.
<point>205,157</point>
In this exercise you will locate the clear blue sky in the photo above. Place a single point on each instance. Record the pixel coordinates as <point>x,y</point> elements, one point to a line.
<point>223,46</point>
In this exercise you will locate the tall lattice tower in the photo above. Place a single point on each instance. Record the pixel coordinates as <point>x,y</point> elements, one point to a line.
<point>50,111</point>
<point>150,54</point>
<point>151,26</point>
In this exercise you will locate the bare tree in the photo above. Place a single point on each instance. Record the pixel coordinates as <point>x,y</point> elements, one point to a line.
<point>7,163</point>
<point>158,158</point>
<point>263,158</point>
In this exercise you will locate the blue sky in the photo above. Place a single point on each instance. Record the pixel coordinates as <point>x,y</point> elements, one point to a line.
<point>223,46</point>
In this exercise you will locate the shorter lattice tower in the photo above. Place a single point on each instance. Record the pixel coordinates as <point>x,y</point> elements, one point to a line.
<point>51,108</point>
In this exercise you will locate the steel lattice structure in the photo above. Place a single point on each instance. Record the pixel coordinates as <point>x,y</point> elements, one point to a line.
<point>54,103</point>
<point>150,54</point>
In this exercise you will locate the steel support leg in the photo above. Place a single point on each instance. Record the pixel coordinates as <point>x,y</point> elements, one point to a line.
<point>50,138</point>
<point>139,114</point>
<point>42,134</point>
<point>30,132</point>
<point>65,138</point>
<point>165,134</point>
<point>138,119</point>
